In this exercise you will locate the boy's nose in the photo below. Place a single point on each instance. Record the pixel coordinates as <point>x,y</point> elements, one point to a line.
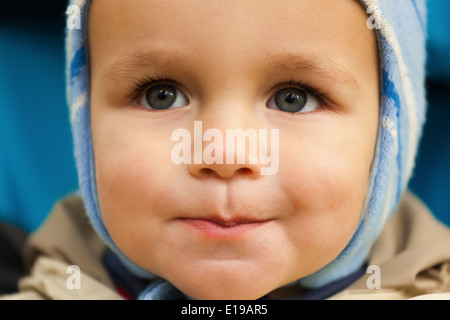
<point>238,151</point>
<point>226,170</point>
<point>230,153</point>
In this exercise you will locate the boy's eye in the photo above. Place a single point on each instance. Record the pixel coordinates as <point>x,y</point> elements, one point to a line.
<point>293,100</point>
<point>162,97</point>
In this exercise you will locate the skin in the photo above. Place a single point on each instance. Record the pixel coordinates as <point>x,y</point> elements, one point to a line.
<point>229,58</point>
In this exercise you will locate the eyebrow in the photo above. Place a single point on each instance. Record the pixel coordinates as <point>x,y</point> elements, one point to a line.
<point>328,69</point>
<point>127,65</point>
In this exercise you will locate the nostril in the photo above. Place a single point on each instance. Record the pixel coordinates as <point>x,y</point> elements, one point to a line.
<point>245,171</point>
<point>207,172</point>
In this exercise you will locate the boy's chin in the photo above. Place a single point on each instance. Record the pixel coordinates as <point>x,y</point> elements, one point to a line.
<point>218,290</point>
<point>227,285</point>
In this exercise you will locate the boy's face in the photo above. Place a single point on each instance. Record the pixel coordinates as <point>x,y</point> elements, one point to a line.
<point>306,68</point>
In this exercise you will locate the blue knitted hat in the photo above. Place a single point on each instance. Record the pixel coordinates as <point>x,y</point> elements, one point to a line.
<point>401,32</point>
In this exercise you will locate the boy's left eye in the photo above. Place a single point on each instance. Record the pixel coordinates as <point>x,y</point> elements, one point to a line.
<point>162,97</point>
<point>293,100</point>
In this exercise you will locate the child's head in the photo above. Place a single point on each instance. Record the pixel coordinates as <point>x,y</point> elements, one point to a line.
<point>309,69</point>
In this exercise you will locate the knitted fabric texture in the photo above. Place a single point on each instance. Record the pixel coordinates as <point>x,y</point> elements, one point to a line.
<point>401,31</point>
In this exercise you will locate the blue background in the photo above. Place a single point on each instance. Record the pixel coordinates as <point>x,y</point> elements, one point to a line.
<point>36,162</point>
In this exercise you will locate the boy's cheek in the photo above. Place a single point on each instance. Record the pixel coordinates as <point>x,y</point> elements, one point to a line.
<point>132,164</point>
<point>327,163</point>
<point>136,176</point>
<point>326,193</point>
<point>327,182</point>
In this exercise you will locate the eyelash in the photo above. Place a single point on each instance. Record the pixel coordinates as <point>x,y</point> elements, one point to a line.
<point>140,85</point>
<point>324,97</point>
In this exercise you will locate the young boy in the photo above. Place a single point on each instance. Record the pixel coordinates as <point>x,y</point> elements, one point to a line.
<point>329,93</point>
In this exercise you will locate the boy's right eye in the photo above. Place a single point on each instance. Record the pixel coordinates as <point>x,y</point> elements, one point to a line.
<point>162,97</point>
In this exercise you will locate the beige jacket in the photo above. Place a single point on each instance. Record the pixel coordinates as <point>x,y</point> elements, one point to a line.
<point>411,258</point>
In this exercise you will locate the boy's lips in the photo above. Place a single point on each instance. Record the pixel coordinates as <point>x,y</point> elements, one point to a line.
<point>217,228</point>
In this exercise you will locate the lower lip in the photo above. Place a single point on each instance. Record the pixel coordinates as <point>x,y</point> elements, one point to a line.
<point>213,230</point>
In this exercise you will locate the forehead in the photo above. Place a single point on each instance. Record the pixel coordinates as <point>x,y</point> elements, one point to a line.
<point>233,32</point>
